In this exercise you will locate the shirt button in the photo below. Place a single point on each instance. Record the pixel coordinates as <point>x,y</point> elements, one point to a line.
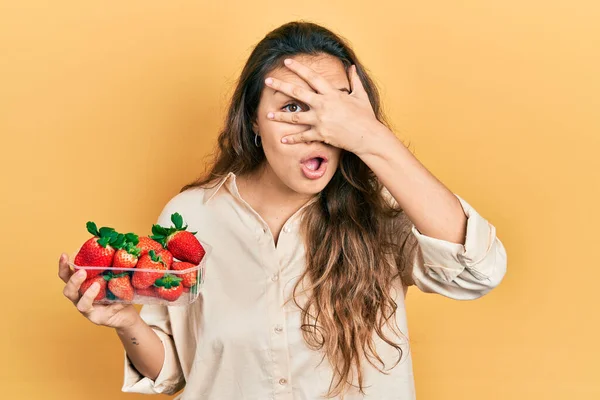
<point>286,229</point>
<point>278,329</point>
<point>282,381</point>
<point>274,278</point>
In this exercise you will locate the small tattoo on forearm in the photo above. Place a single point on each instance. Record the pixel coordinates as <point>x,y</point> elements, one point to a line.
<point>134,341</point>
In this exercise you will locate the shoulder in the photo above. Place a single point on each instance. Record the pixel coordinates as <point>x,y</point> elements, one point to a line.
<point>188,203</point>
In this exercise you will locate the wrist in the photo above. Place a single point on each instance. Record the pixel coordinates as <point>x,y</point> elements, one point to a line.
<point>378,142</point>
<point>131,323</point>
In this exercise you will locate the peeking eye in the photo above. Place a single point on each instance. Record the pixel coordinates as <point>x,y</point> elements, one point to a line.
<point>292,107</point>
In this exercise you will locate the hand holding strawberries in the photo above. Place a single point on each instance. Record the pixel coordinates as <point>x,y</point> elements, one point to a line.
<point>112,267</point>
<point>117,315</point>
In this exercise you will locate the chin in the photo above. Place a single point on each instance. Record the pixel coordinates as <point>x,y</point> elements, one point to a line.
<point>309,187</point>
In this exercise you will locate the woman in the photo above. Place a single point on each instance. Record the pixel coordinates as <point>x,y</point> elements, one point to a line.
<point>319,219</point>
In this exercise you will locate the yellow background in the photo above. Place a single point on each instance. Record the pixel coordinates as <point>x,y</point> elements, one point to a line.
<point>108,108</point>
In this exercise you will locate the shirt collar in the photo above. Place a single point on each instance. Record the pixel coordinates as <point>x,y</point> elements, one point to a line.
<point>229,179</point>
<point>209,193</point>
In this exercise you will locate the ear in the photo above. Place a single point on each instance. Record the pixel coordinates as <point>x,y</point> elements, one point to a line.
<point>255,127</point>
<point>357,87</point>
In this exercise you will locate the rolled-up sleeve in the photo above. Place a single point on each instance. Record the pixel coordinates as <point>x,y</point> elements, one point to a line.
<point>170,379</point>
<point>458,271</point>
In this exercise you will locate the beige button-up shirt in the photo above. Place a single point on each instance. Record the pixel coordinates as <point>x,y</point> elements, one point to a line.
<point>239,341</point>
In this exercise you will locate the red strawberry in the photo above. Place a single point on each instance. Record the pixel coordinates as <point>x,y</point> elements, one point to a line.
<point>142,279</point>
<point>151,292</point>
<point>189,279</point>
<point>166,256</point>
<point>126,257</point>
<point>146,244</point>
<point>88,282</point>
<point>99,250</point>
<point>120,286</point>
<point>182,244</point>
<point>123,259</point>
<point>169,287</point>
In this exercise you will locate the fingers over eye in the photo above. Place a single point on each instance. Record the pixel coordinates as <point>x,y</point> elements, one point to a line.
<point>308,135</point>
<point>291,90</point>
<point>300,118</point>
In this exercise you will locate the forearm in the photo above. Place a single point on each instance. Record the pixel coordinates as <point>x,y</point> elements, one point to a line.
<point>433,209</point>
<point>144,348</point>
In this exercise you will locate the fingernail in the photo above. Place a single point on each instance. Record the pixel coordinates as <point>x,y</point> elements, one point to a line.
<point>269,81</point>
<point>288,61</point>
<point>80,273</point>
<point>284,140</point>
<point>270,115</point>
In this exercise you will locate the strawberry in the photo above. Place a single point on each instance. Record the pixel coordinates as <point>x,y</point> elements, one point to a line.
<point>88,282</point>
<point>151,292</point>
<point>99,250</point>
<point>181,243</point>
<point>166,256</point>
<point>169,287</point>
<point>127,254</point>
<point>143,279</point>
<point>120,286</point>
<point>146,244</point>
<point>189,279</point>
<point>124,259</point>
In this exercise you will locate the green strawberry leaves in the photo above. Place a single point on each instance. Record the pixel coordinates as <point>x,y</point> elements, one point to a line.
<point>168,281</point>
<point>92,228</point>
<point>106,231</point>
<point>132,238</point>
<point>133,249</point>
<point>103,241</point>
<point>160,233</point>
<point>156,258</point>
<point>177,220</point>
<point>128,243</point>
<point>106,235</point>
<point>108,275</point>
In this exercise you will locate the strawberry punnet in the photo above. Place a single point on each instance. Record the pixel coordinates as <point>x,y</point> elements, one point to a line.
<point>169,287</point>
<point>182,244</point>
<point>99,250</point>
<point>143,279</point>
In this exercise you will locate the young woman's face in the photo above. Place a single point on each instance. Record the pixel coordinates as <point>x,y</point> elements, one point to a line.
<point>285,160</point>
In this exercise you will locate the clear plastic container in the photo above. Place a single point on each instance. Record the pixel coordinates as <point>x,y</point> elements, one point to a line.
<point>150,296</point>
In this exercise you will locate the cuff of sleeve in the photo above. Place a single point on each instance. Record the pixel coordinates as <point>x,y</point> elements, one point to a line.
<point>167,380</point>
<point>448,259</point>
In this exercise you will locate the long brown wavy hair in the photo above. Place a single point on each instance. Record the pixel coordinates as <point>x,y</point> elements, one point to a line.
<point>357,240</point>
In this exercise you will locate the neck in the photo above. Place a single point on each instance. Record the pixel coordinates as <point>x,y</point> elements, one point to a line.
<point>266,193</point>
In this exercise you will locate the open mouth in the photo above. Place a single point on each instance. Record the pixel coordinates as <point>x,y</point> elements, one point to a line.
<point>314,168</point>
<point>314,163</point>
